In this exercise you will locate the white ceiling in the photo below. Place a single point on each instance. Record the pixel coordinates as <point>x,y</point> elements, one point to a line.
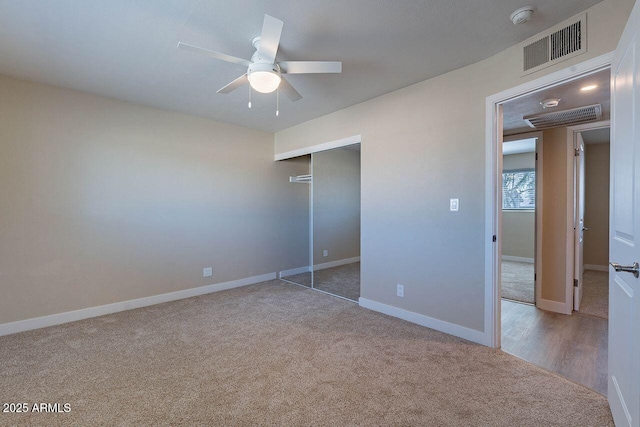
<point>570,96</point>
<point>596,136</point>
<point>126,49</point>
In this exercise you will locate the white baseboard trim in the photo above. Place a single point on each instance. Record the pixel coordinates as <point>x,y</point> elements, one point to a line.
<point>101,310</point>
<point>293,271</point>
<point>517,259</point>
<point>548,305</point>
<point>337,263</point>
<point>429,322</point>
<point>596,267</point>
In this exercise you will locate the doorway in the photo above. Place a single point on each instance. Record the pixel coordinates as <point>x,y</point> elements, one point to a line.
<point>592,182</point>
<point>520,198</point>
<point>542,330</point>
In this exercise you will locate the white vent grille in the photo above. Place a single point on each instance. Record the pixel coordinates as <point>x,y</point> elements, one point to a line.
<point>557,44</point>
<point>536,54</point>
<point>575,116</point>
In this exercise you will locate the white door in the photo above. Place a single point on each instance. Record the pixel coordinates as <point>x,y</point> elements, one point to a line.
<point>624,232</point>
<point>579,223</point>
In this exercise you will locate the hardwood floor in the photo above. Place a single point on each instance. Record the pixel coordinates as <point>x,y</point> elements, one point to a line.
<point>572,346</point>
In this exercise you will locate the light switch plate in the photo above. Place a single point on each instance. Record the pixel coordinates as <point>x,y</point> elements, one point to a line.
<point>454,204</point>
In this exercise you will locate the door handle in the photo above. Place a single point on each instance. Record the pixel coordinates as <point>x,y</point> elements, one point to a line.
<point>635,269</point>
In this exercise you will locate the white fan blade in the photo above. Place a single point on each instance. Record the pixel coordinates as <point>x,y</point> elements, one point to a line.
<point>213,54</point>
<point>270,38</point>
<point>310,67</point>
<point>234,84</point>
<point>290,92</point>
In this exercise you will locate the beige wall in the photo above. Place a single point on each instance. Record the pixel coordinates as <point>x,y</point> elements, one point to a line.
<point>596,209</point>
<point>518,234</point>
<point>105,201</point>
<point>554,215</point>
<point>336,205</point>
<point>421,146</point>
<point>519,161</point>
<point>518,227</point>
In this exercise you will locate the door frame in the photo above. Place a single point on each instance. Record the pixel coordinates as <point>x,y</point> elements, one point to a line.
<point>572,140</point>
<point>493,178</point>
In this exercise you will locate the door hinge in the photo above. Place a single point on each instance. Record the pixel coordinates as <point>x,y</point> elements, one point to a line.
<point>577,153</point>
<point>536,156</point>
<point>495,239</point>
<point>535,277</point>
<point>575,283</point>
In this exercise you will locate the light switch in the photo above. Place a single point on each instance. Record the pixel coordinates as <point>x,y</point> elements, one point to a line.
<point>454,204</point>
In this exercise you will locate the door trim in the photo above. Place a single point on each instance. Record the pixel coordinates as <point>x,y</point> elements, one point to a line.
<point>355,139</point>
<point>493,162</point>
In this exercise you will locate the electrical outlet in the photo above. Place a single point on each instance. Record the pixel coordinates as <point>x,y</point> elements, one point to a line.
<point>400,290</point>
<point>325,253</point>
<point>454,205</point>
<point>207,272</point>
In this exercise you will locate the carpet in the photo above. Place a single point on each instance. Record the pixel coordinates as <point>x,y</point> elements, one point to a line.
<point>277,354</point>
<point>595,294</point>
<point>343,280</point>
<point>303,279</point>
<point>517,281</point>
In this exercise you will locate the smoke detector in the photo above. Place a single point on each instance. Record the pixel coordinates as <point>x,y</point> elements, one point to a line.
<point>550,103</point>
<point>522,15</point>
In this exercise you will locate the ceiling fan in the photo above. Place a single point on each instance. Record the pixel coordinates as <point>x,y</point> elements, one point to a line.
<point>264,73</point>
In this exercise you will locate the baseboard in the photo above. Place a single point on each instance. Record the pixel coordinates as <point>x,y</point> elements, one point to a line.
<point>596,267</point>
<point>429,322</point>
<point>517,259</point>
<point>548,305</point>
<point>293,271</point>
<point>101,310</point>
<point>337,263</point>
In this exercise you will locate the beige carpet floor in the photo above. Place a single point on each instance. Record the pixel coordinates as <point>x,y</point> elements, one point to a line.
<point>595,294</point>
<point>303,279</point>
<point>343,280</point>
<point>277,354</point>
<point>517,281</point>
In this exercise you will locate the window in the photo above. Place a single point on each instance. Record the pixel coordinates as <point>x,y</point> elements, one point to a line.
<point>519,189</point>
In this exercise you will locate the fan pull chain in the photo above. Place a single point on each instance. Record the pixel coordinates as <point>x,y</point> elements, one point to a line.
<point>277,102</point>
<point>249,96</point>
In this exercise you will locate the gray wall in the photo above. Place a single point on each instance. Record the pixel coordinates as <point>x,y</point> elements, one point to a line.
<point>421,146</point>
<point>596,209</point>
<point>336,205</point>
<point>105,201</point>
<point>518,227</point>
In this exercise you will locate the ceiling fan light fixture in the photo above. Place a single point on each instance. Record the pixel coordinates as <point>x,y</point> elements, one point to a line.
<point>263,78</point>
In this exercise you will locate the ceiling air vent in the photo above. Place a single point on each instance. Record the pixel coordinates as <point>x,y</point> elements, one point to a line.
<point>557,44</point>
<point>574,116</point>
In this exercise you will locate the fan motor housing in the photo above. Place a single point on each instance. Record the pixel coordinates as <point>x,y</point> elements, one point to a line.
<point>263,67</point>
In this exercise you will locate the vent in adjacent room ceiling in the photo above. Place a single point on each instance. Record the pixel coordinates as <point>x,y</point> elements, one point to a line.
<point>574,116</point>
<point>557,44</point>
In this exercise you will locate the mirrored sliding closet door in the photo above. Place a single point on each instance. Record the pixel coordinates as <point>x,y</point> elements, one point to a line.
<point>336,221</point>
